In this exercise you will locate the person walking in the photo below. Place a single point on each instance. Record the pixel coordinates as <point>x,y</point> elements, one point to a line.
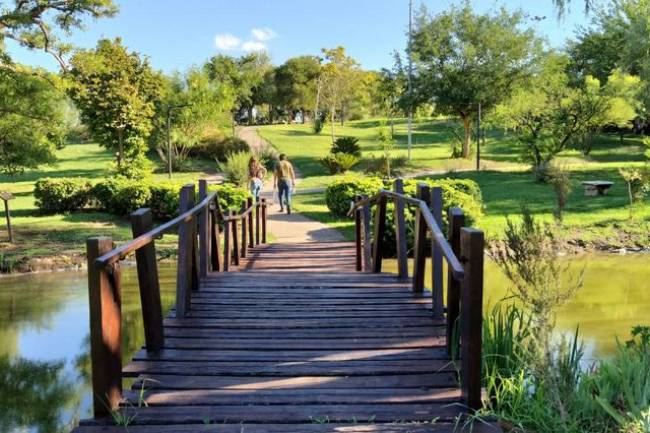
<point>285,180</point>
<point>256,173</point>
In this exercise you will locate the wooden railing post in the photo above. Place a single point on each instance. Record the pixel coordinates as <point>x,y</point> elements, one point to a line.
<point>217,257</point>
<point>185,271</point>
<point>472,244</point>
<point>400,230</point>
<point>227,248</point>
<point>263,220</point>
<point>258,206</point>
<point>423,192</point>
<point>244,231</point>
<point>204,231</point>
<point>235,241</point>
<point>145,257</point>
<point>436,256</point>
<point>249,205</point>
<point>380,229</point>
<point>456,220</point>
<point>105,328</point>
<point>195,280</point>
<point>357,236</point>
<point>367,237</point>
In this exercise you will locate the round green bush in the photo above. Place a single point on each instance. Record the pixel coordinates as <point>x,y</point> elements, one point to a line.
<point>61,195</point>
<point>218,148</point>
<point>122,196</point>
<point>165,200</point>
<point>342,191</point>
<point>230,196</point>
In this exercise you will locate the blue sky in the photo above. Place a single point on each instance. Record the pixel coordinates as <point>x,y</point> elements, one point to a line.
<point>176,34</point>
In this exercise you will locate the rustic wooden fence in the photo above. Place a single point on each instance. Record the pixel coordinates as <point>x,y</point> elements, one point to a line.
<point>462,250</point>
<point>199,232</point>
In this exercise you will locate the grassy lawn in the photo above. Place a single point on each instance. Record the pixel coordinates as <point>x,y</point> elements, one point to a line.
<point>45,235</point>
<point>505,183</point>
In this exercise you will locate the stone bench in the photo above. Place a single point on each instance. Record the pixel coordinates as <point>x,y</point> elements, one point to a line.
<point>596,187</point>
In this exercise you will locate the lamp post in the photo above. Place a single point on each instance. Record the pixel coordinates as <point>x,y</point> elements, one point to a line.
<point>478,138</point>
<point>171,107</point>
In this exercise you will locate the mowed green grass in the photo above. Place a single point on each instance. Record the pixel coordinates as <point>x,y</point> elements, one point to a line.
<point>504,180</point>
<point>42,235</point>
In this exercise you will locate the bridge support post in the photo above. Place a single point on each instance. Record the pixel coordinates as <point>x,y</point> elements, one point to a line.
<point>456,220</point>
<point>380,229</point>
<point>249,205</point>
<point>186,255</point>
<point>244,231</point>
<point>145,257</point>
<point>105,304</point>
<point>423,192</point>
<point>263,220</point>
<point>204,231</point>
<point>400,230</point>
<point>227,253</point>
<point>235,241</point>
<point>472,244</point>
<point>258,207</point>
<point>357,237</point>
<point>436,256</point>
<point>215,250</point>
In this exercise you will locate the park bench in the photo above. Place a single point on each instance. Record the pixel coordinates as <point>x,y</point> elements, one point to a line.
<point>596,187</point>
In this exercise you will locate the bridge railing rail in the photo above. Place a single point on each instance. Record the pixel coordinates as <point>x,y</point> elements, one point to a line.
<point>462,249</point>
<point>199,227</point>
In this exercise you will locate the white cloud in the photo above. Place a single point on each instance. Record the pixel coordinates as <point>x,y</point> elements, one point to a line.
<point>253,46</point>
<point>227,41</point>
<point>263,34</point>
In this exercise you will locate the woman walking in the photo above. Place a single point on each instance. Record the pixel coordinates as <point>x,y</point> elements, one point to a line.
<point>256,173</point>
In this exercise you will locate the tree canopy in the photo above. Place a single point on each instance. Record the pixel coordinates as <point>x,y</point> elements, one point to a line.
<point>115,92</point>
<point>464,58</point>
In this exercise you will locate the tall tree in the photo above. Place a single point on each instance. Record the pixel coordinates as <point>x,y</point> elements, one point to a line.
<point>35,24</point>
<point>32,123</point>
<point>296,83</point>
<point>548,115</point>
<point>115,91</point>
<point>464,58</point>
<point>338,77</point>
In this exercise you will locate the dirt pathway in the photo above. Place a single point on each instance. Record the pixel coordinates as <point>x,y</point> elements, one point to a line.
<point>287,228</point>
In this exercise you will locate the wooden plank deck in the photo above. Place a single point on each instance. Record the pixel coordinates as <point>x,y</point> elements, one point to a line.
<point>297,341</point>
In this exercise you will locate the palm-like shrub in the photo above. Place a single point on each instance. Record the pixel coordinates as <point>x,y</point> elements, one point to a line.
<point>235,168</point>
<point>348,145</point>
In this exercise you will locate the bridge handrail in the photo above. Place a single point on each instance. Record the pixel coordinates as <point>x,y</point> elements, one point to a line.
<point>463,251</point>
<point>438,237</point>
<point>199,251</point>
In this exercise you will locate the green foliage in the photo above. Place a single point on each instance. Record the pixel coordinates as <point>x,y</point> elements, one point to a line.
<point>61,195</point>
<point>465,58</point>
<point>164,200</point>
<point>339,162</point>
<point>116,92</point>
<point>341,192</point>
<point>32,124</point>
<point>200,107</point>
<point>296,83</point>
<point>540,280</point>
<point>348,145</point>
<point>560,179</point>
<point>549,115</point>
<point>506,336</point>
<point>121,196</point>
<point>268,157</point>
<point>217,147</point>
<point>235,168</point>
<point>230,196</point>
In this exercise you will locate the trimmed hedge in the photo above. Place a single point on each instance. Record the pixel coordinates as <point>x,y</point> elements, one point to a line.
<point>62,195</point>
<point>122,196</point>
<point>342,191</point>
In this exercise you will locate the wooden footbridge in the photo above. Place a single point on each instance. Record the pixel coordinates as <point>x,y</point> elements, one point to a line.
<point>284,338</point>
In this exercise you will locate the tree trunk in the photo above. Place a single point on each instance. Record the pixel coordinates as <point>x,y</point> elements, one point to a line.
<point>250,115</point>
<point>332,125</point>
<point>302,116</point>
<point>392,126</point>
<point>120,147</point>
<point>342,115</point>
<point>467,141</point>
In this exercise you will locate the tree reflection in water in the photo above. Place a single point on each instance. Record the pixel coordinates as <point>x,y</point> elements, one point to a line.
<point>35,394</point>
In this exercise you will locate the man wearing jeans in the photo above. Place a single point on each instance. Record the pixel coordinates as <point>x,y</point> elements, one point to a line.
<point>285,179</point>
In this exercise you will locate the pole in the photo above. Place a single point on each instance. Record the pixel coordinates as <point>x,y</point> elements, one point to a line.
<point>410,85</point>
<point>478,139</point>
<point>8,217</point>
<point>169,142</point>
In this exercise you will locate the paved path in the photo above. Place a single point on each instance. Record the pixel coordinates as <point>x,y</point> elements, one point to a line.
<point>287,228</point>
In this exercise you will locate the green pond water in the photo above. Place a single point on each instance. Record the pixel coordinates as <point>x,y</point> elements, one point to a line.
<point>44,361</point>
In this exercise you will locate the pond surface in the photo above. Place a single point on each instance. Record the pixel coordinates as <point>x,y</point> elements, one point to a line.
<point>44,361</point>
